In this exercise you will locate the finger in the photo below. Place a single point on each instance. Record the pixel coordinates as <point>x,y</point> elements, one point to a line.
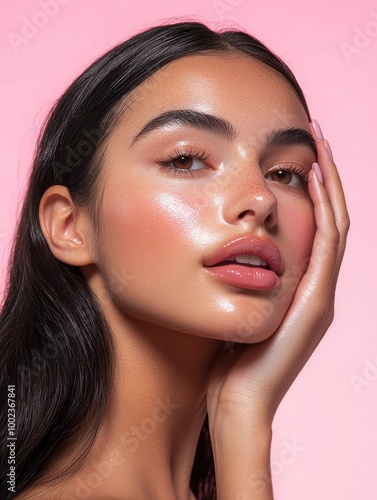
<point>311,311</point>
<point>305,322</point>
<point>319,275</point>
<point>332,180</point>
<point>334,189</point>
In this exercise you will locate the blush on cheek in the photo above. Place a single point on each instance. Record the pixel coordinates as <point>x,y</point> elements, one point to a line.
<point>148,235</point>
<point>302,233</point>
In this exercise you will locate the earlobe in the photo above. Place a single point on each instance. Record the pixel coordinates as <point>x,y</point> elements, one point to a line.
<point>65,226</point>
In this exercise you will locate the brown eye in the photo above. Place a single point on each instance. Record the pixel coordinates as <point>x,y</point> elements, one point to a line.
<point>283,176</point>
<point>291,176</point>
<point>183,162</point>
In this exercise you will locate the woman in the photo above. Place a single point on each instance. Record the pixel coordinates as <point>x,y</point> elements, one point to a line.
<point>174,269</point>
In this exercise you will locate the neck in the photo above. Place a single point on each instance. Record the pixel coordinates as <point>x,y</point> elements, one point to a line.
<point>156,411</point>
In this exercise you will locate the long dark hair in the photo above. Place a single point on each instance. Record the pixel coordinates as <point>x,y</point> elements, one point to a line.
<point>55,344</point>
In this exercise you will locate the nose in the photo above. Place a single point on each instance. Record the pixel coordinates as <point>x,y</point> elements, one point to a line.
<point>250,200</point>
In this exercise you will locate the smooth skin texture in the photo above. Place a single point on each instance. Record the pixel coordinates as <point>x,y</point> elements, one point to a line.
<point>184,218</point>
<point>143,257</point>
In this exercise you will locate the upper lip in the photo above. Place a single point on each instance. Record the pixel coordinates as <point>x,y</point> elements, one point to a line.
<point>264,248</point>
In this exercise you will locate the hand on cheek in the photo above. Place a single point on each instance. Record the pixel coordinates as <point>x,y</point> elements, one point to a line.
<point>253,383</point>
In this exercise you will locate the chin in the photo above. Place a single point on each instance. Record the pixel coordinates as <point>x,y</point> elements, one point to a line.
<point>249,336</point>
<point>252,327</point>
<point>248,328</point>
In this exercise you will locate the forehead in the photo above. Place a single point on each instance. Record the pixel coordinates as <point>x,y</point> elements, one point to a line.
<point>236,87</point>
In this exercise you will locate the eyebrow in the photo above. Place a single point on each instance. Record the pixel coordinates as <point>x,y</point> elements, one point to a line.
<point>223,128</point>
<point>292,136</point>
<point>196,119</point>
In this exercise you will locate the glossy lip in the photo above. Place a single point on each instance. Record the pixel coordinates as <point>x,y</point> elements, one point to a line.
<point>264,248</point>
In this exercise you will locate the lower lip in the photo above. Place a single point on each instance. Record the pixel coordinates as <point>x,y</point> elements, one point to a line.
<point>252,278</point>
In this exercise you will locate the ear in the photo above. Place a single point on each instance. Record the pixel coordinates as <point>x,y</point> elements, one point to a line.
<point>66,227</point>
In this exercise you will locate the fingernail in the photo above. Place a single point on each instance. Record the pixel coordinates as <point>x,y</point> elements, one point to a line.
<point>327,146</point>
<point>317,129</point>
<point>318,171</point>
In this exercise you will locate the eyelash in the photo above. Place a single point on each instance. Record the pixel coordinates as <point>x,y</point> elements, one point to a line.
<point>294,169</point>
<point>198,155</point>
<point>202,155</point>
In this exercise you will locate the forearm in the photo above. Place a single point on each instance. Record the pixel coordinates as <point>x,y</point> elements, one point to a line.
<point>242,459</point>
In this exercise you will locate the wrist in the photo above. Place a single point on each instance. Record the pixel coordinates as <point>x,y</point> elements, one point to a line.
<point>241,450</point>
<point>241,431</point>
<point>230,420</point>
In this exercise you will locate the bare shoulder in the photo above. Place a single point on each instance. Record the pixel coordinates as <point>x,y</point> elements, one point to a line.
<point>70,492</point>
<point>67,492</point>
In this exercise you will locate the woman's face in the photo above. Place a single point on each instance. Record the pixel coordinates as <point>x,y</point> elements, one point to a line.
<point>204,168</point>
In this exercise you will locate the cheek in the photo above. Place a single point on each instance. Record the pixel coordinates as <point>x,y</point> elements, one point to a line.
<point>298,225</point>
<point>148,236</point>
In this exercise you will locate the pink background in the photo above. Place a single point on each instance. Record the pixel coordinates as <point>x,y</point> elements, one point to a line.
<point>325,437</point>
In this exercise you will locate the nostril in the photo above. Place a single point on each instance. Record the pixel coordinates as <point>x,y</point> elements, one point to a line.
<point>270,219</point>
<point>246,212</point>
